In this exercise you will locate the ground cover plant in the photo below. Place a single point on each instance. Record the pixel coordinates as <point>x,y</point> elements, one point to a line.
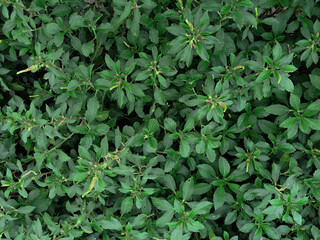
<point>160,119</point>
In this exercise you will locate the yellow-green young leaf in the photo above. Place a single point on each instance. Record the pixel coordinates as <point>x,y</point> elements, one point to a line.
<point>91,186</point>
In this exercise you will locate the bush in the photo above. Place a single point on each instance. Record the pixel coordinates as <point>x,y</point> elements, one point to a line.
<point>145,119</point>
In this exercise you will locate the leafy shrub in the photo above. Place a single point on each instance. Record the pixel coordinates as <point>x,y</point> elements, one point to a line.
<point>145,119</point>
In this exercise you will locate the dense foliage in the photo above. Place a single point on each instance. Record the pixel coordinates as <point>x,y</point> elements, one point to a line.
<point>160,119</point>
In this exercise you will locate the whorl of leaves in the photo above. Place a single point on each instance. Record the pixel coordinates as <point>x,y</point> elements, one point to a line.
<point>160,119</point>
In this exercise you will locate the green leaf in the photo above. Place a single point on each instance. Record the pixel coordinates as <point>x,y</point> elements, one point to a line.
<point>76,21</point>
<point>154,35</point>
<point>52,28</point>
<point>84,153</point>
<point>203,207</point>
<point>92,108</point>
<point>110,63</point>
<point>161,204</point>
<point>286,83</point>
<point>219,197</point>
<point>224,166</point>
<point>184,148</point>
<point>87,48</point>
<point>277,202</point>
<point>289,68</point>
<point>80,176</point>
<point>277,109</point>
<point>231,217</point>
<point>270,21</point>
<point>126,205</point>
<point>159,96</point>
<point>289,123</point>
<point>170,124</point>
<point>175,30</point>
<point>7,27</point>
<point>135,28</point>
<point>187,189</point>
<point>295,101</point>
<point>316,27</point>
<point>277,52</point>
<point>297,217</point>
<point>162,81</point>
<point>263,76</point>
<point>204,20</point>
<point>271,232</point>
<point>37,228</point>
<point>211,154</point>
<point>246,3</point>
<point>187,55</point>
<point>189,125</point>
<point>315,80</point>
<point>111,224</point>
<point>26,209</point>
<point>248,227</point>
<point>313,123</point>
<point>61,10</point>
<point>286,147</point>
<point>153,125</point>
<point>202,52</point>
